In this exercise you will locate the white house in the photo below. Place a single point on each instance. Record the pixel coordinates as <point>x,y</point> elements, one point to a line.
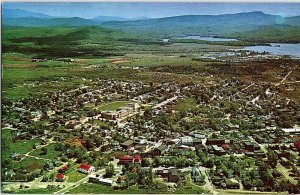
<point>85,168</point>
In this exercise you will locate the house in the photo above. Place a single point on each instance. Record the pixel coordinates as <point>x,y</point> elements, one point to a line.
<point>63,169</point>
<point>218,142</point>
<point>251,146</point>
<point>297,145</point>
<point>174,175</point>
<point>127,144</point>
<point>48,166</point>
<point>291,131</point>
<point>160,150</point>
<point>218,150</point>
<point>187,141</point>
<point>163,172</point>
<point>217,180</point>
<point>60,177</point>
<point>140,147</point>
<point>196,174</point>
<point>85,168</point>
<point>225,146</point>
<point>129,159</point>
<point>232,183</point>
<point>109,115</point>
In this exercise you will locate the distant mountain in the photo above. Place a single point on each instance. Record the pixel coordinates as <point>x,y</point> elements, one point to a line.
<point>109,18</point>
<point>116,18</point>
<point>295,20</point>
<point>17,13</point>
<point>218,25</point>
<point>204,24</point>
<point>251,18</point>
<point>35,22</point>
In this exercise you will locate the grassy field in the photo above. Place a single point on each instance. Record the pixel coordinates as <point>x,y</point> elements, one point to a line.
<point>112,106</point>
<point>190,189</point>
<point>186,104</point>
<point>30,164</point>
<point>51,153</point>
<point>90,188</point>
<point>73,175</point>
<point>21,147</point>
<point>35,191</point>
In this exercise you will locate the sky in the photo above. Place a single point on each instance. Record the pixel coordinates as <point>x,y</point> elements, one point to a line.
<point>151,10</point>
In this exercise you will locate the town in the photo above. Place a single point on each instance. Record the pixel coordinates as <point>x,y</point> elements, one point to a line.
<point>219,136</point>
<point>150,98</point>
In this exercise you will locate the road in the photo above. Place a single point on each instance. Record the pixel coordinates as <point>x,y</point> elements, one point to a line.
<point>279,167</point>
<point>286,76</point>
<point>284,172</point>
<point>76,184</point>
<point>165,102</point>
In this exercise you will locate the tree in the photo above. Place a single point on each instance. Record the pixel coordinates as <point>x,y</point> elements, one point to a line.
<point>150,176</point>
<point>273,158</point>
<point>89,144</point>
<point>44,151</point>
<point>109,170</point>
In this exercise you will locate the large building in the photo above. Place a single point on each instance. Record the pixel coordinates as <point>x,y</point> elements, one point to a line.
<point>129,159</point>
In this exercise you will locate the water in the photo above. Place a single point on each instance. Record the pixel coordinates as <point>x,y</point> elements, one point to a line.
<point>280,49</point>
<point>203,38</point>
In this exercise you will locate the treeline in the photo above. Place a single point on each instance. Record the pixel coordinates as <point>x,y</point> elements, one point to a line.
<point>269,34</point>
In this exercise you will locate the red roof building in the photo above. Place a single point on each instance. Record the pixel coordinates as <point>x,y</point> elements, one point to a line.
<point>64,168</point>
<point>85,168</point>
<point>137,158</point>
<point>130,159</point>
<point>225,146</point>
<point>297,145</point>
<point>60,177</point>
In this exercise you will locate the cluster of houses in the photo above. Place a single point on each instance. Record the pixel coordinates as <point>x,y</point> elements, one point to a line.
<point>246,113</point>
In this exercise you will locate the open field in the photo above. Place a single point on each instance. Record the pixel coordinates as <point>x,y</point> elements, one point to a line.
<point>19,147</point>
<point>73,175</point>
<point>35,191</point>
<point>113,105</point>
<point>50,152</point>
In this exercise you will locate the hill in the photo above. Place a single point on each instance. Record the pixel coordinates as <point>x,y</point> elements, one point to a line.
<point>205,24</point>
<point>241,25</point>
<point>17,13</point>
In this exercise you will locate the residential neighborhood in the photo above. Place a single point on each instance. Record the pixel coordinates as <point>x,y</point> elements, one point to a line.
<point>121,134</point>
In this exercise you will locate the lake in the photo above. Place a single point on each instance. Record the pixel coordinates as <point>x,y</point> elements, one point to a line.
<point>280,49</point>
<point>206,38</point>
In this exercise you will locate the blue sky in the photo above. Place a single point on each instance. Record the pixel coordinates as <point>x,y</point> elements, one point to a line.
<point>153,10</point>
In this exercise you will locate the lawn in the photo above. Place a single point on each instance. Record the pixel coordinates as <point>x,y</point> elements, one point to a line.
<point>186,104</point>
<point>90,188</point>
<point>190,189</point>
<point>20,147</point>
<point>73,174</point>
<point>31,164</point>
<point>112,106</point>
<point>51,153</point>
<point>35,191</point>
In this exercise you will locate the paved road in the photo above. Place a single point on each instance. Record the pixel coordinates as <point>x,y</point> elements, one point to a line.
<point>165,102</point>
